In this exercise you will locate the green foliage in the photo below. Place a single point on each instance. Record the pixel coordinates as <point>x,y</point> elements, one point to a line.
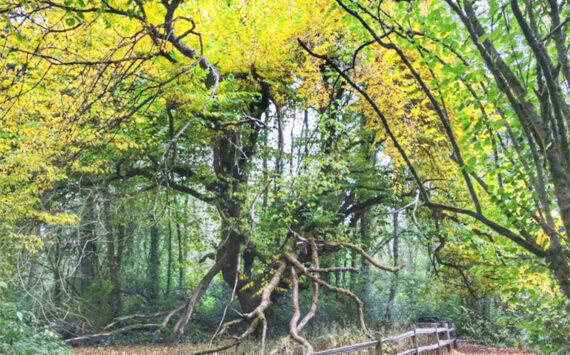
<point>487,321</point>
<point>20,334</point>
<point>545,324</point>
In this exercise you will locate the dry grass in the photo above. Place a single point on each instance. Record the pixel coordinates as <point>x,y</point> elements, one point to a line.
<point>466,347</point>
<point>252,347</point>
<point>246,348</point>
<point>334,336</point>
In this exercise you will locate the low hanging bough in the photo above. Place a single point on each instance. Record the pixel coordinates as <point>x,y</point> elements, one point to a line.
<point>288,267</point>
<point>290,261</point>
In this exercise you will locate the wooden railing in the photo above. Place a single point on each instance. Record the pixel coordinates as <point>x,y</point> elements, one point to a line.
<point>375,346</point>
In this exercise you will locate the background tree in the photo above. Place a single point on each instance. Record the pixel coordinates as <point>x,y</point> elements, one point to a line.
<point>511,118</point>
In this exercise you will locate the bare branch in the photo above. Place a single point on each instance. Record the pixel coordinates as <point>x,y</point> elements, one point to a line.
<point>293,329</point>
<point>367,256</point>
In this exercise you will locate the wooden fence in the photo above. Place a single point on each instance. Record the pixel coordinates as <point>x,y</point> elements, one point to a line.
<point>375,346</point>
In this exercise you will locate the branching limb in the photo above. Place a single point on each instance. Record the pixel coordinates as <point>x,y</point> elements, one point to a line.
<point>125,329</point>
<point>196,296</point>
<point>257,315</point>
<point>267,291</point>
<point>532,247</point>
<point>334,269</point>
<point>315,296</point>
<point>211,255</point>
<point>378,112</point>
<point>228,324</point>
<point>135,316</point>
<point>367,256</point>
<point>293,329</point>
<point>128,328</point>
<point>314,300</point>
<point>236,341</point>
<point>360,305</point>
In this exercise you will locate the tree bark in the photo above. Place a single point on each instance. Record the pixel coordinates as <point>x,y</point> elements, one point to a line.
<point>169,259</point>
<point>365,278</point>
<point>57,280</point>
<point>116,279</point>
<point>394,281</point>
<point>87,246</point>
<point>181,268</point>
<point>114,301</point>
<point>153,261</point>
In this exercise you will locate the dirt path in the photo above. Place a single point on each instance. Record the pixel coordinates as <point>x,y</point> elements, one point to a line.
<point>465,347</point>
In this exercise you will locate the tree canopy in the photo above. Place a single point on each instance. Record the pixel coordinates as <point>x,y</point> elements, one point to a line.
<point>163,163</point>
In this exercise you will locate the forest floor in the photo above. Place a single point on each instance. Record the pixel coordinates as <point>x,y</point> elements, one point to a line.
<point>464,347</point>
<point>467,347</point>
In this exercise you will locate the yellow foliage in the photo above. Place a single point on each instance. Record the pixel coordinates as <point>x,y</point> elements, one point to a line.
<point>55,107</point>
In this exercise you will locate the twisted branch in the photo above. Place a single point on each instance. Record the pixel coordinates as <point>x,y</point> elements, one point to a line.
<point>359,304</point>
<point>293,327</point>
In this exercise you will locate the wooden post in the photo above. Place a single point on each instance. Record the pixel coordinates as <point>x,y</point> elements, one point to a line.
<point>415,339</point>
<point>454,336</point>
<point>378,345</point>
<point>447,336</point>
<point>438,350</point>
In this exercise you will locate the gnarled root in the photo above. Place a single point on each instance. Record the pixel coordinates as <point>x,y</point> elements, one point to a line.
<point>314,300</point>
<point>258,314</point>
<point>256,317</point>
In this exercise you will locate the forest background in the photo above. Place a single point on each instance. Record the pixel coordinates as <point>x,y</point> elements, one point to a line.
<point>173,170</point>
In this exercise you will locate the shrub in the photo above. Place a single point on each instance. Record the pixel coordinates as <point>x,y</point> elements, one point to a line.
<point>21,335</point>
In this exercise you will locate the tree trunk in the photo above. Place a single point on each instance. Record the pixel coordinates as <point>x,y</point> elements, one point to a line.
<point>365,279</point>
<point>32,272</point>
<point>232,154</point>
<point>181,268</point>
<point>264,165</point>
<point>394,281</point>
<point>114,301</point>
<point>116,279</point>
<point>558,265</point>
<point>87,246</point>
<point>153,262</point>
<point>169,260</point>
<point>57,281</point>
